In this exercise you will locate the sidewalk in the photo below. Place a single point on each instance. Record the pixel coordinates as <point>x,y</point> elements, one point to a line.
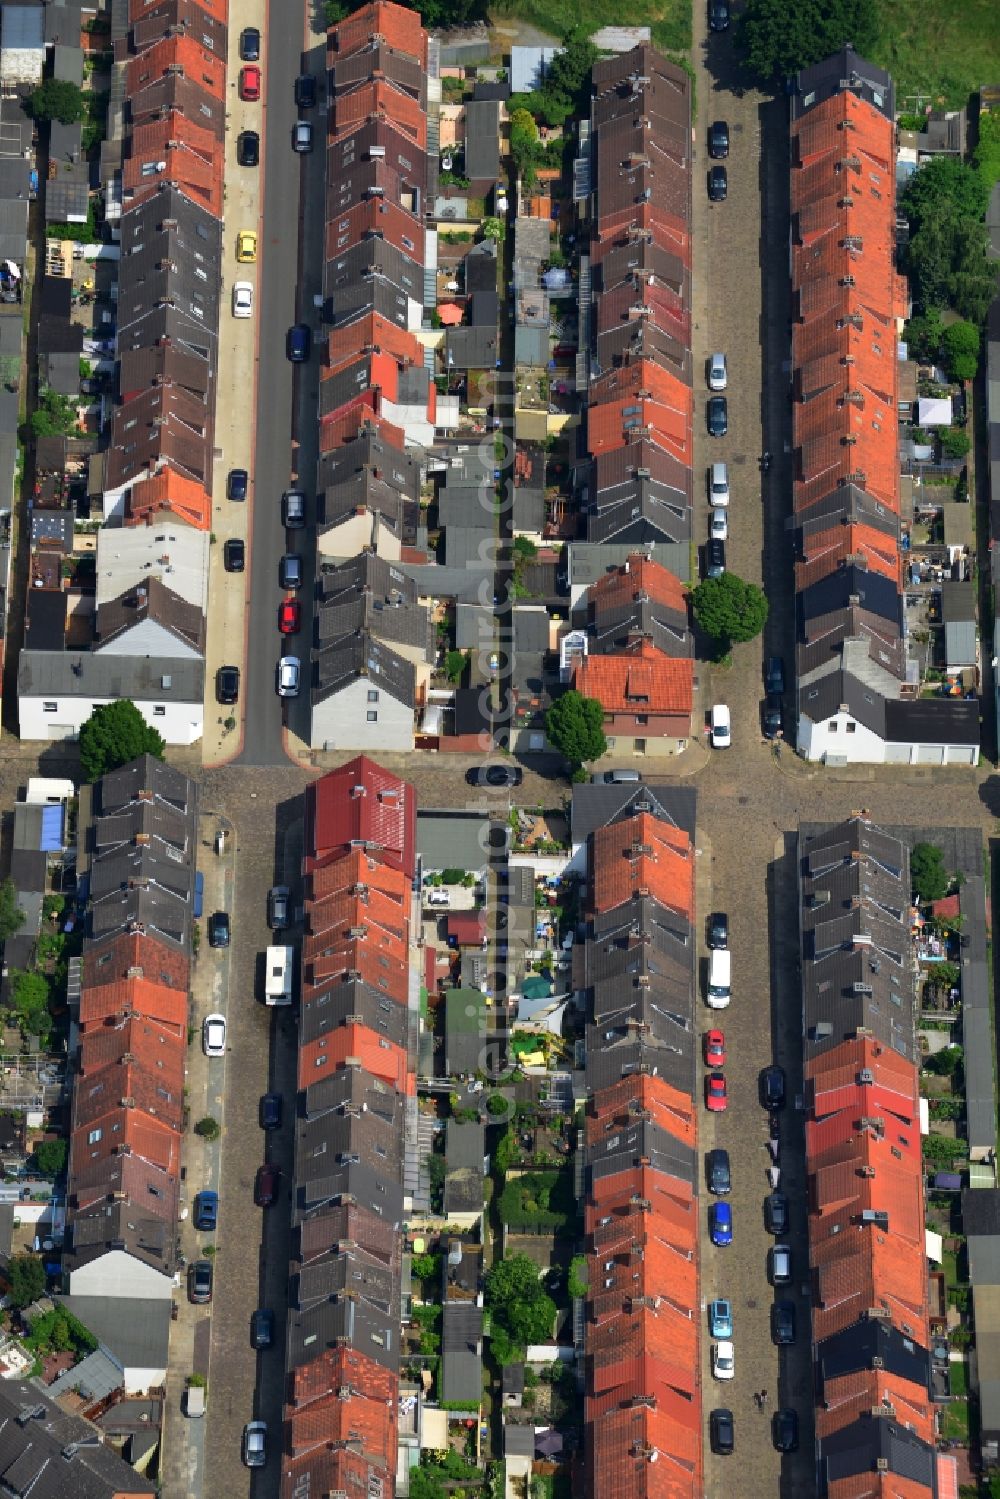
<point>190,1336</point>
<point>235,403</point>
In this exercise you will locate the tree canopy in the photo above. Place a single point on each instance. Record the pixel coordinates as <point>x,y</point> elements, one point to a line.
<point>50,1156</point>
<point>928,876</point>
<point>26,1279</point>
<point>29,1004</point>
<point>730,609</point>
<point>779,38</point>
<point>57,99</point>
<point>574,725</point>
<point>565,90</point>
<point>11,915</point>
<point>114,734</point>
<point>960,346</point>
<point>946,258</point>
<point>521,1310</point>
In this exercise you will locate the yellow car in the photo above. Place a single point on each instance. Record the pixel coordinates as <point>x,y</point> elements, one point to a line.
<point>246,246</point>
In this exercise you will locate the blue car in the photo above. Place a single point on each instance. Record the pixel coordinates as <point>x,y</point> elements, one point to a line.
<point>206,1211</point>
<point>720,1223</point>
<point>720,1319</point>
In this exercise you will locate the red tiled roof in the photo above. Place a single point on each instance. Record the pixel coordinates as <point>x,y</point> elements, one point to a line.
<point>378,99</point>
<point>344,425</point>
<point>851,1397</point>
<point>378,1056</point>
<point>168,490</point>
<point>192,162</point>
<point>135,955</point>
<point>644,680</point>
<point>181,54</point>
<point>827,551</point>
<point>343,1397</point>
<point>217,9</point>
<point>397,25</point>
<point>362,802</point>
<point>368,336</point>
<point>373,219</point>
<point>639,575</point>
<point>642,854</point>
<point>100,1003</point>
<point>359,868</point>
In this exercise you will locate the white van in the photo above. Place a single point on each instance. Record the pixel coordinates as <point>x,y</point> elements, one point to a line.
<point>718,485</point>
<point>720,977</point>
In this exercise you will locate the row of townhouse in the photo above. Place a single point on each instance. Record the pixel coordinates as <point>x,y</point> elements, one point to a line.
<point>140,632</point>
<point>355,1132</point>
<point>637,968</point>
<point>868,1272</point>
<point>859,676</point>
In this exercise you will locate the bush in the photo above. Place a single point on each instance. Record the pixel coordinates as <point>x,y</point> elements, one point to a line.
<point>50,1156</point>
<point>196,1382</point>
<point>945,1063</point>
<point>25,1279</point>
<point>115,734</point>
<point>496,1104</point>
<point>928,876</point>
<point>208,1128</point>
<point>576,1283</point>
<point>57,99</point>
<point>539,1200</point>
<point>955,442</point>
<point>960,346</point>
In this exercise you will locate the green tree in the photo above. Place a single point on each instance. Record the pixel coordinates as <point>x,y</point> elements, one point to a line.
<point>334,11</point>
<point>923,335</point>
<point>56,99</point>
<point>50,1156</point>
<point>11,915</point>
<point>568,81</point>
<point>507,1151</point>
<point>730,609</point>
<point>523,140</point>
<point>492,228</point>
<point>955,442</point>
<point>960,345</point>
<point>113,735</point>
<point>519,1305</point>
<point>26,1279</point>
<point>779,38</point>
<point>54,416</point>
<point>208,1128</point>
<point>29,995</point>
<point>425,1266</point>
<point>945,1062</point>
<point>928,876</point>
<point>576,1283</point>
<point>574,725</point>
<point>944,180</point>
<point>454,665</point>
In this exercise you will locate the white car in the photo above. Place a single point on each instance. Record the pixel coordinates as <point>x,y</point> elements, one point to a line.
<point>723,1361</point>
<point>718,484</point>
<point>721,726</point>
<point>213,1035</point>
<point>242,299</point>
<point>717,376</point>
<point>720,524</point>
<point>288,676</point>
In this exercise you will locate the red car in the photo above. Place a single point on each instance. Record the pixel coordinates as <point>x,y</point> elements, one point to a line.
<point>250,84</point>
<point>289,616</point>
<point>716,1097</point>
<point>266,1190</point>
<point>715,1049</point>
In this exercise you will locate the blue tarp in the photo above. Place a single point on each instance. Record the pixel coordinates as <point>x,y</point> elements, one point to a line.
<point>52,829</point>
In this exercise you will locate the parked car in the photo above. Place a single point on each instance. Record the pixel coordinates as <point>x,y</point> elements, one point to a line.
<point>218,929</point>
<point>287,675</point>
<point>719,524</point>
<point>200,1280</point>
<point>715,558</point>
<point>718,484</point>
<point>278,908</point>
<point>720,1176</point>
<point>248,148</point>
<point>773,716</point>
<point>270,1111</point>
<point>718,185</point>
<point>718,416</point>
<point>290,571</point>
<point>495,775</point>
<point>716,1093</point>
<point>250,84</point>
<point>776,1213</point>
<point>237,484</point>
<point>723,1360</point>
<point>293,509</point>
<point>302,136</point>
<point>227,685</point>
<point>234,555</point>
<point>289,616</point>
<point>785,1430</point>
<point>242,299</point>
<point>720,727</point>
<point>714,1046</point>
<point>783,1323</point>
<point>718,140</point>
<point>250,44</point>
<point>720,1318</point>
<point>772,1087</point>
<point>779,1265</point>
<point>718,929</point>
<point>255,1444</point>
<point>774,675</point>
<point>262,1328</point>
<point>246,247</point>
<point>722,1432</point>
<point>266,1188</point>
<point>298,345</point>
<point>718,376</point>
<point>213,1035</point>
<point>305,91</point>
<point>718,15</point>
<point>720,1223</point>
<point>206,1212</point>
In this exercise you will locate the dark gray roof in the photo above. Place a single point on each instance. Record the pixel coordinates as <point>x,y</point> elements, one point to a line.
<point>588,561</point>
<point>347,1179</point>
<point>856,1348</point>
<point>849,505</point>
<point>338,1003</point>
<point>362,291</point>
<point>464,1145</point>
<point>518,1441</point>
<point>461,1348</point>
<point>596,804</point>
<point>639,493</point>
<point>351,657</point>
<point>396,468</point>
<point>49,1454</point>
<point>482,140</point>
<point>135,1330</point>
<point>349,1271</point>
<point>121,1225</point>
<point>45,621</point>
<point>343,501</point>
<point>98,675</point>
<point>845,69</point>
<point>343,1321</point>
<point>154,601</point>
<point>371,593</point>
<point>946,720</point>
<point>531,630</point>
<point>146,779</point>
<point>857,1450</point>
<point>471,347</point>
<point>171,251</point>
<point>981,1212</point>
<point>465,1030</point>
<point>875,594</point>
<point>330,1142</point>
<point>481,267</point>
<point>629,1146</point>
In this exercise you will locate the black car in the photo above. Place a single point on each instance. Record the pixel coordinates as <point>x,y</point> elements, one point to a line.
<point>715,558</point>
<point>237,484</point>
<point>720,1177</point>
<point>298,345</point>
<point>200,1282</point>
<point>773,716</point>
<point>218,929</point>
<point>721,1432</point>
<point>772,1087</point>
<point>718,929</point>
<point>783,1323</point>
<point>718,15</point>
<point>250,44</point>
<point>305,91</point>
<point>776,1214</point>
<point>774,675</point>
<point>293,509</point>
<point>248,148</point>
<point>270,1111</point>
<point>266,1186</point>
<point>290,571</point>
<point>234,555</point>
<point>495,775</point>
<point>227,685</point>
<point>717,415</point>
<point>785,1431</point>
<point>718,184</point>
<point>278,908</point>
<point>262,1328</point>
<point>718,140</point>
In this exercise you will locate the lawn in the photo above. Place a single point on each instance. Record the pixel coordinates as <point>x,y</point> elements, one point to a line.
<point>955,1421</point>
<point>939,50</point>
<point>958,1376</point>
<point>670,19</point>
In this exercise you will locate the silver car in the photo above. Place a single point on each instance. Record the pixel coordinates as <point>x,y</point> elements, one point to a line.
<point>255,1444</point>
<point>288,676</point>
<point>213,1035</point>
<point>717,376</point>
